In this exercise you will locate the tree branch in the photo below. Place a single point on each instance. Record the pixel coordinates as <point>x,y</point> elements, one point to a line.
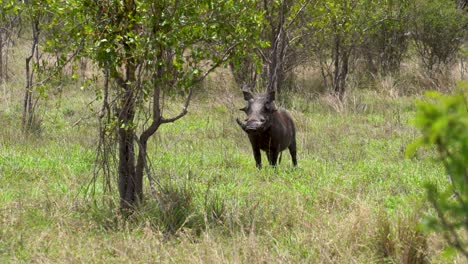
<point>58,69</point>
<point>184,111</point>
<point>455,241</point>
<point>297,14</point>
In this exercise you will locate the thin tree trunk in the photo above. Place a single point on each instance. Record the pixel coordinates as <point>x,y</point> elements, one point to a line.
<point>143,140</point>
<point>324,69</point>
<point>336,61</point>
<point>2,78</point>
<point>341,65</point>
<point>343,75</point>
<point>6,76</point>
<point>27,97</point>
<point>140,168</point>
<point>462,68</point>
<point>27,118</point>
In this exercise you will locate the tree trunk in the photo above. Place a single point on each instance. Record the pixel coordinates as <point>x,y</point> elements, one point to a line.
<point>336,63</point>
<point>2,78</point>
<point>128,183</point>
<point>462,4</point>
<point>343,75</point>
<point>279,42</point>
<point>6,76</point>
<point>126,139</point>
<point>140,169</point>
<point>340,73</point>
<point>126,134</point>
<point>141,161</point>
<point>27,118</point>
<point>130,172</point>
<point>126,168</point>
<point>276,67</point>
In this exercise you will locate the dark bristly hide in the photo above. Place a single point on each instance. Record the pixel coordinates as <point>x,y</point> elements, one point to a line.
<point>269,128</point>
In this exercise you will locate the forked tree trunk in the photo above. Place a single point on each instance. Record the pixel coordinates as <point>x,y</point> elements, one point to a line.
<point>130,172</point>
<point>340,72</point>
<point>146,134</point>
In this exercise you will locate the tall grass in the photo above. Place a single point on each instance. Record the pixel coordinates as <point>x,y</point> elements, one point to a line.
<point>353,199</point>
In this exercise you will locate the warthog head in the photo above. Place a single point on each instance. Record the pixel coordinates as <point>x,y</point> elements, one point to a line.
<point>259,110</point>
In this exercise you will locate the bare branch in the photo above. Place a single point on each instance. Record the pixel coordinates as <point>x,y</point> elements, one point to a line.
<point>58,69</point>
<point>264,57</point>
<point>297,14</point>
<point>380,22</point>
<point>455,241</point>
<point>184,111</point>
<point>267,12</point>
<point>105,103</point>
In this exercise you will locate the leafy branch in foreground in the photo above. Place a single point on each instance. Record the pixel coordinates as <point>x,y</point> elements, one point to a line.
<point>443,120</point>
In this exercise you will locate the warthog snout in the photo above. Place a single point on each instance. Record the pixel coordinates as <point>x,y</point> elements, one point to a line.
<point>252,126</point>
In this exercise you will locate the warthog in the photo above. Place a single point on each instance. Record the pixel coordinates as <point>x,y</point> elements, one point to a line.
<point>269,128</point>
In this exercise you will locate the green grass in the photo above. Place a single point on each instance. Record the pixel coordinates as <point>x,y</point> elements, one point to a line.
<point>354,198</point>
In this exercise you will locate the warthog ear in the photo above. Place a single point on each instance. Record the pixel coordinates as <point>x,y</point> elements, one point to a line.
<point>247,95</point>
<point>271,96</point>
<point>243,109</point>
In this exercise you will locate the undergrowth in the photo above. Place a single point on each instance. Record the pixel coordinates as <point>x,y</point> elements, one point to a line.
<point>354,198</point>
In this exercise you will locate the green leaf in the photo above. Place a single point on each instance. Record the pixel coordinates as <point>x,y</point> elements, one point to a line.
<point>413,147</point>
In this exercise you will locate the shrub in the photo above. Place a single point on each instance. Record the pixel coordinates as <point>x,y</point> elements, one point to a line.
<point>443,121</point>
<point>438,30</point>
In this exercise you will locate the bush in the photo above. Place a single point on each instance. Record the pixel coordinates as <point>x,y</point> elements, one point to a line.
<point>443,121</point>
<point>386,43</point>
<point>438,30</point>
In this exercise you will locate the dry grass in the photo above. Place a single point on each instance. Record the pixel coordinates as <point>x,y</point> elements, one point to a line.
<point>353,199</point>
